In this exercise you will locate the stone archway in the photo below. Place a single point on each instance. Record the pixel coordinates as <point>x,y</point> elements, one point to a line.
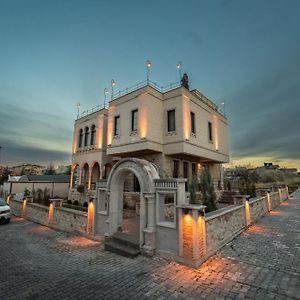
<point>145,173</point>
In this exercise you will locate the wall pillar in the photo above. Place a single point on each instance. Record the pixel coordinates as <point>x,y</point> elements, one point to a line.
<point>71,178</point>
<point>80,175</point>
<point>269,201</point>
<point>89,177</point>
<point>181,199</point>
<point>192,233</point>
<point>149,231</point>
<point>280,194</point>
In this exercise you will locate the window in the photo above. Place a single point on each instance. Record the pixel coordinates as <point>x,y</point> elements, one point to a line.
<point>93,134</point>
<point>186,173</point>
<point>193,128</point>
<point>194,170</point>
<point>175,168</point>
<point>171,120</point>
<point>134,120</point>
<point>86,136</point>
<point>165,209</point>
<point>102,202</point>
<point>80,138</point>
<point>117,126</point>
<point>210,135</point>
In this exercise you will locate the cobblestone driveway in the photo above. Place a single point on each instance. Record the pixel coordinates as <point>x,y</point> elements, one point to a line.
<point>262,263</point>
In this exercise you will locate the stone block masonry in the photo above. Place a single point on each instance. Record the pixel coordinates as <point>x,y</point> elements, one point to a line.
<point>63,218</point>
<point>221,226</point>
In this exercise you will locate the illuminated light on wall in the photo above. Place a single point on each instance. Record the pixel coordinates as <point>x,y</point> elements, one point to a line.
<point>143,122</point>
<point>187,235</point>
<point>110,125</point>
<point>89,178</point>
<point>100,133</point>
<point>51,211</point>
<point>247,212</point>
<point>24,208</point>
<point>201,235</point>
<point>269,201</point>
<point>186,117</point>
<point>216,132</point>
<point>8,200</point>
<point>90,221</point>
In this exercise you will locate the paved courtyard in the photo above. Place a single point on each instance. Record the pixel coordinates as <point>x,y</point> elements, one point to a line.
<point>262,263</point>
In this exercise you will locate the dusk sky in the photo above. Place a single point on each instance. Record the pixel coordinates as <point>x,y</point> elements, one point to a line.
<point>56,53</point>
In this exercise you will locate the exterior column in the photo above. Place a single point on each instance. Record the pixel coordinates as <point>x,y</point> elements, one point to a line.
<point>71,179</point>
<point>149,241</point>
<point>89,178</point>
<point>80,175</point>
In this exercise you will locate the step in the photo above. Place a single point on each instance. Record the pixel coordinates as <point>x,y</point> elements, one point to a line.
<point>121,249</point>
<point>127,240</point>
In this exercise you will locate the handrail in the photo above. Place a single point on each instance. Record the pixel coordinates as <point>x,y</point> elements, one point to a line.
<point>162,89</point>
<point>92,110</point>
<point>145,83</point>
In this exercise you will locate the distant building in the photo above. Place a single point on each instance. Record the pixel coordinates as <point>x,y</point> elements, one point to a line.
<point>57,185</point>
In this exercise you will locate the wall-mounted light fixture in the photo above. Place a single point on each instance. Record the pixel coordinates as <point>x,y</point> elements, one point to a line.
<point>186,211</point>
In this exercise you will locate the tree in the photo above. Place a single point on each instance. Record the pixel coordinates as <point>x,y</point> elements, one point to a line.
<point>4,175</point>
<point>192,190</point>
<point>67,170</point>
<point>50,169</point>
<point>208,191</point>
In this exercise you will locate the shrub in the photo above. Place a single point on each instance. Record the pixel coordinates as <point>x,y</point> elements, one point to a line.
<point>208,191</point>
<point>75,202</point>
<point>85,204</point>
<point>69,202</point>
<point>26,192</point>
<point>80,189</point>
<point>192,190</point>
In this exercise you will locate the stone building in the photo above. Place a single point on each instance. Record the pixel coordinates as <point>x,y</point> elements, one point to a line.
<point>177,130</point>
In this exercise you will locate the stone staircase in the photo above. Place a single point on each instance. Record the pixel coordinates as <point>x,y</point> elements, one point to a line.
<point>228,197</point>
<point>123,244</point>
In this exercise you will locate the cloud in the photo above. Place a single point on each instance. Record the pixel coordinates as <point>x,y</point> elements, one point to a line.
<point>264,115</point>
<point>14,153</point>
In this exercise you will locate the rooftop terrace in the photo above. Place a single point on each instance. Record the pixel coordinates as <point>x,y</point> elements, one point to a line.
<point>161,89</point>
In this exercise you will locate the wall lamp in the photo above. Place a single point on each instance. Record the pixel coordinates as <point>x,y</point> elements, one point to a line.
<point>186,211</point>
<point>200,213</point>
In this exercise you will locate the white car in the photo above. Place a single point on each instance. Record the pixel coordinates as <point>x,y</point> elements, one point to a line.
<point>4,212</point>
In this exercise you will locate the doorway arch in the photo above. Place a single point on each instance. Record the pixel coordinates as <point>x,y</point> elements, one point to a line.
<point>145,173</point>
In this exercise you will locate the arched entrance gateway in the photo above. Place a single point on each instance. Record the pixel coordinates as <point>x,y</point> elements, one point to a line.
<point>145,173</point>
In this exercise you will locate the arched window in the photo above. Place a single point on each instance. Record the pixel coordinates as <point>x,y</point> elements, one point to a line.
<point>86,136</point>
<point>80,138</point>
<point>93,135</point>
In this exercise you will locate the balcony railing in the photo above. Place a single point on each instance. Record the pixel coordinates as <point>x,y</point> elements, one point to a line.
<point>162,89</point>
<point>92,110</point>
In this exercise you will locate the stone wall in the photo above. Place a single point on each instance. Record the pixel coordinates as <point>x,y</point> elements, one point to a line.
<point>63,218</point>
<point>223,226</point>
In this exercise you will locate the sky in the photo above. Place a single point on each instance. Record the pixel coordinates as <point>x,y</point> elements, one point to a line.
<point>56,53</point>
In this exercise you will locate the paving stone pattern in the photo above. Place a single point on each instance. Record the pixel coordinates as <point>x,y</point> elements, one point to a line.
<point>41,263</point>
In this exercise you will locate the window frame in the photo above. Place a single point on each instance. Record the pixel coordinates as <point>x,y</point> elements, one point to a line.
<point>193,122</point>
<point>80,138</point>
<point>178,168</point>
<point>168,224</point>
<point>115,127</point>
<point>168,123</point>
<point>93,135</point>
<point>86,136</point>
<point>210,132</point>
<point>133,119</point>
